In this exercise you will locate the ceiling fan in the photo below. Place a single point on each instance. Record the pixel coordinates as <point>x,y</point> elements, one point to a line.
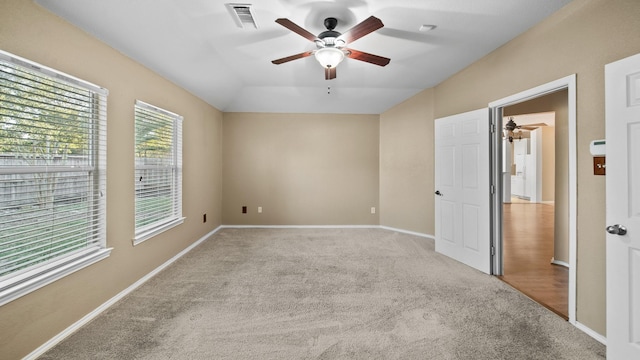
<point>332,45</point>
<point>511,125</point>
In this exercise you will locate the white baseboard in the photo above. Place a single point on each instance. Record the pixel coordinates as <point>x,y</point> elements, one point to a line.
<point>559,263</point>
<point>591,333</point>
<point>299,227</point>
<point>97,311</point>
<point>327,227</point>
<point>408,232</point>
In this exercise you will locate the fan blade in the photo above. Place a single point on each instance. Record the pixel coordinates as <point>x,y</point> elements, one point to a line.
<point>369,25</point>
<point>297,29</point>
<point>527,127</point>
<point>292,57</point>
<point>329,73</point>
<point>536,124</point>
<point>366,57</point>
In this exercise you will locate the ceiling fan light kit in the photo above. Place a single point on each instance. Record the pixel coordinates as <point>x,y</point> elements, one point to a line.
<point>329,57</point>
<point>332,44</point>
<point>510,127</point>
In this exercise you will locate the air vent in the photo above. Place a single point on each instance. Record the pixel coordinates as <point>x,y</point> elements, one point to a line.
<point>243,15</point>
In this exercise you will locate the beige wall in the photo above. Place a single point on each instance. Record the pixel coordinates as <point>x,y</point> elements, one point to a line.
<point>328,169</point>
<point>406,165</point>
<point>33,33</point>
<point>580,38</point>
<point>302,169</point>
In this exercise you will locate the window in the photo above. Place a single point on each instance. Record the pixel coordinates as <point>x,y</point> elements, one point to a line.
<point>52,175</point>
<point>158,175</point>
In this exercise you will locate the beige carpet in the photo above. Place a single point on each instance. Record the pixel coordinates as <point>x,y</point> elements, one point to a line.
<point>324,294</point>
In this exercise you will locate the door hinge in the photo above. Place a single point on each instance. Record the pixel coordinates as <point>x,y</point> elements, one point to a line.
<point>492,189</point>
<point>493,251</point>
<point>493,128</point>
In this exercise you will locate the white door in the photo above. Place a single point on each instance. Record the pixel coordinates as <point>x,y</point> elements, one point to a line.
<point>622,93</point>
<point>462,188</point>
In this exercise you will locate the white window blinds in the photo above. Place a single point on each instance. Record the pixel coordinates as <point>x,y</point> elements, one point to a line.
<point>158,172</point>
<point>52,173</point>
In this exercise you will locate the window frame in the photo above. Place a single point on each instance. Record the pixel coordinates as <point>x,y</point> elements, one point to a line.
<point>176,218</point>
<point>16,284</point>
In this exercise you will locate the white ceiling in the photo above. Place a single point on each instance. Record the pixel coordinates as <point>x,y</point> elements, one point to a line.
<point>197,45</point>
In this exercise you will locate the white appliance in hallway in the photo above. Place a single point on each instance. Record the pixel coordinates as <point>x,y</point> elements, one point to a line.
<point>524,159</point>
<point>523,178</point>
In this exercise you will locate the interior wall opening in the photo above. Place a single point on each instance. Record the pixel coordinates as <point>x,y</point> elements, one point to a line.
<point>537,212</point>
<point>529,243</point>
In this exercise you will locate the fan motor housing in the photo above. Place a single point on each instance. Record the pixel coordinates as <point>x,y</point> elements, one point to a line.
<point>329,36</point>
<point>330,23</point>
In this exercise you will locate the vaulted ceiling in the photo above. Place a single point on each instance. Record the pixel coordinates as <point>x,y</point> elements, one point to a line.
<point>198,45</point>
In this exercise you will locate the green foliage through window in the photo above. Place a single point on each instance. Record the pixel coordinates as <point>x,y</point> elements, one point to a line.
<point>51,138</point>
<point>158,167</point>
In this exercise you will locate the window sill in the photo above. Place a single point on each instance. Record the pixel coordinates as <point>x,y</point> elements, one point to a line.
<point>29,281</point>
<point>148,234</point>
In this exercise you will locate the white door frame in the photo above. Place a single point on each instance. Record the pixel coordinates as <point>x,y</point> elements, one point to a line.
<point>496,107</point>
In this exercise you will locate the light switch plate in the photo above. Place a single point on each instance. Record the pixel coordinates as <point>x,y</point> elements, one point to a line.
<point>599,165</point>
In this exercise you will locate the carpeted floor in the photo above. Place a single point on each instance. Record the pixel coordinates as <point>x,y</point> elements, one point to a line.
<point>324,294</point>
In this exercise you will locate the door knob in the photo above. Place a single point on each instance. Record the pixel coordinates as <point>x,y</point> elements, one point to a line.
<point>439,193</point>
<point>616,229</point>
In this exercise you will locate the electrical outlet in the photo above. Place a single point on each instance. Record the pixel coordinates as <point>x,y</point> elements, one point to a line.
<point>204,218</point>
<point>259,209</point>
<point>373,210</point>
<point>244,209</point>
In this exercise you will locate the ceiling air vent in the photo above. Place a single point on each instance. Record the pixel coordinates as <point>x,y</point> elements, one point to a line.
<point>243,15</point>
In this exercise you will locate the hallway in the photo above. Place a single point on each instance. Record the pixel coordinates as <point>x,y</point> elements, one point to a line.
<point>528,250</point>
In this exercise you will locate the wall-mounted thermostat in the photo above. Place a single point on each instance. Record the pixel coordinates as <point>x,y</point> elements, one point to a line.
<point>598,148</point>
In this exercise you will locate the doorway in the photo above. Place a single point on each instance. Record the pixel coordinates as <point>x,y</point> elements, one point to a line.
<point>520,228</point>
<point>535,257</point>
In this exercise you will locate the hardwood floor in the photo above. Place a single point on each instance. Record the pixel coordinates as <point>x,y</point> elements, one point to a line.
<point>528,249</point>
